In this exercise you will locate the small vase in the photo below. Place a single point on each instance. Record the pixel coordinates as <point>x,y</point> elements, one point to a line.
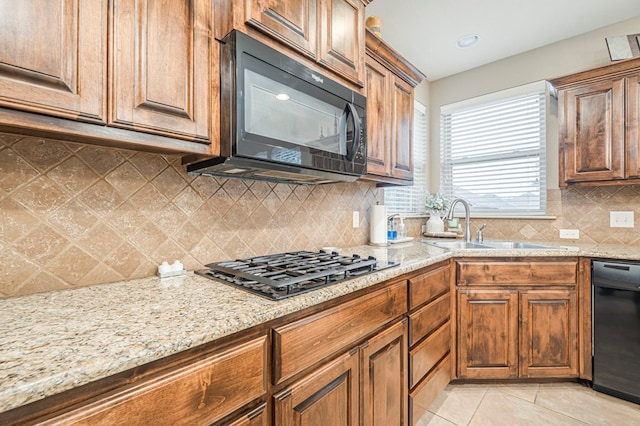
<point>435,223</point>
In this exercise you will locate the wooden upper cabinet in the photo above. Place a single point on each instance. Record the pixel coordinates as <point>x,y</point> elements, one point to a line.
<point>401,130</point>
<point>632,133</point>
<point>341,35</point>
<point>160,67</point>
<point>389,85</point>
<point>53,56</point>
<point>594,125</point>
<point>292,22</point>
<point>598,117</point>
<point>378,126</point>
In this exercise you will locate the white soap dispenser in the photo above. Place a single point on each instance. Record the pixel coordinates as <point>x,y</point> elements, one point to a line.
<point>402,230</point>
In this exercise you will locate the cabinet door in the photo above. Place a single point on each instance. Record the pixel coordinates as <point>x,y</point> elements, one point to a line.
<point>256,417</point>
<point>632,134</point>
<point>293,22</point>
<point>384,373</point>
<point>593,132</point>
<point>53,56</point>
<point>378,113</point>
<point>488,334</point>
<point>401,129</point>
<point>342,38</point>
<point>548,333</point>
<point>160,67</point>
<point>328,396</point>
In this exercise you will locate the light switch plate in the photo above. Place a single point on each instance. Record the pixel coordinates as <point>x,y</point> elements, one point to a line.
<point>356,218</point>
<point>621,219</point>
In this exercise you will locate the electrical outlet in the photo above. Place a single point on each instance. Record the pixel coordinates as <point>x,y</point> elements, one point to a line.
<point>570,234</point>
<point>621,219</point>
<point>356,218</point>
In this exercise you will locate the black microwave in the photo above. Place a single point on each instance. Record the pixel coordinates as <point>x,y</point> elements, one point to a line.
<point>281,121</point>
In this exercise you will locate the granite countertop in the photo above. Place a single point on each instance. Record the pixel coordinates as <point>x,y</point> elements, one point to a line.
<point>55,341</point>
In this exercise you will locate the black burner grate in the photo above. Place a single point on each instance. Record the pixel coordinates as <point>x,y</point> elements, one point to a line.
<point>282,275</point>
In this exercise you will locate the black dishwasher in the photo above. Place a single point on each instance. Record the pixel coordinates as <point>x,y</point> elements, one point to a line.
<point>616,329</point>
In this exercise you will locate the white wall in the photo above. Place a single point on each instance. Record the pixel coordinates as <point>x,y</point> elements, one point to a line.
<point>562,58</point>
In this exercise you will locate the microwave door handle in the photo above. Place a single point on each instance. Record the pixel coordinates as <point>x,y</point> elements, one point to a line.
<point>350,109</point>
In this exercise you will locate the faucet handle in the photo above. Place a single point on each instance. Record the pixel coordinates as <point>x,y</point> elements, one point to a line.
<point>479,236</point>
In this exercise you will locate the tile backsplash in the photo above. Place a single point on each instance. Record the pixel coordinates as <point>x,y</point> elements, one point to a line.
<point>74,215</point>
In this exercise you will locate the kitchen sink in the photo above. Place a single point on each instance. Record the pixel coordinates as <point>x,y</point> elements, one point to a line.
<point>489,245</point>
<point>457,245</point>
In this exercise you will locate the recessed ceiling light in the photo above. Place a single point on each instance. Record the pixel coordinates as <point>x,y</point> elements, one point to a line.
<point>468,41</point>
<point>282,97</point>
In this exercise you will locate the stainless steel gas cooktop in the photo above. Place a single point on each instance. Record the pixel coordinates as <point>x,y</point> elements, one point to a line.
<point>277,276</point>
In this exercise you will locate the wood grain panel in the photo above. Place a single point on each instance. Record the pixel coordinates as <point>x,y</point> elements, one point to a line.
<point>342,38</point>
<point>425,320</point>
<point>160,78</point>
<point>424,356</point>
<point>53,56</point>
<point>378,128</point>
<point>292,22</point>
<point>401,129</point>
<point>488,334</point>
<point>199,393</point>
<point>428,390</point>
<point>548,333</point>
<point>305,342</point>
<point>329,396</point>
<point>534,272</point>
<point>383,374</point>
<point>632,130</point>
<point>429,285</point>
<point>256,417</point>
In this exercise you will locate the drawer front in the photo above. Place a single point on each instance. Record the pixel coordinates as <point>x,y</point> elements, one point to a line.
<point>428,285</point>
<point>199,393</point>
<point>423,357</point>
<point>428,318</point>
<point>496,272</point>
<point>427,391</point>
<point>301,344</point>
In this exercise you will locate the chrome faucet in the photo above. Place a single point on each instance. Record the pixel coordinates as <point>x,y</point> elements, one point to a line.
<point>467,217</point>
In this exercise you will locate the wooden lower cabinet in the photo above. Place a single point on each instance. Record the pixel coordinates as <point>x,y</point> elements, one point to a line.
<point>549,333</point>
<point>383,368</point>
<point>508,334</point>
<point>328,396</point>
<point>256,417</point>
<point>198,393</point>
<point>487,334</point>
<point>423,395</point>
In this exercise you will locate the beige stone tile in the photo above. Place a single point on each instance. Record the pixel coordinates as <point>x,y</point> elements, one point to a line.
<point>74,175</point>
<point>72,219</point>
<point>72,265</point>
<point>433,420</point>
<point>102,198</point>
<point>15,220</point>
<point>15,171</point>
<point>150,165</point>
<point>42,153</point>
<point>126,179</point>
<point>169,182</point>
<point>588,406</point>
<point>525,391</point>
<point>101,160</point>
<point>458,403</point>
<point>42,244</point>
<point>498,408</point>
<point>41,195</point>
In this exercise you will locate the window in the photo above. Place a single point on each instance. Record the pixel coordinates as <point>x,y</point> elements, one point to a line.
<point>493,152</point>
<point>410,200</point>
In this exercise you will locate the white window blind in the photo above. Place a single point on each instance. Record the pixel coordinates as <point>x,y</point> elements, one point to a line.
<point>493,152</point>
<point>410,200</point>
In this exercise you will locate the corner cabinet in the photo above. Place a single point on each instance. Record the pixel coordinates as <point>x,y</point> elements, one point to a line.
<point>389,85</point>
<point>518,319</point>
<point>599,114</point>
<point>327,32</point>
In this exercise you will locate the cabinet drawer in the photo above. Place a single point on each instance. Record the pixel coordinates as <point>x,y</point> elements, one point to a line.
<point>428,318</point>
<point>423,357</point>
<point>535,272</point>
<point>303,343</point>
<point>428,390</point>
<point>428,285</point>
<point>199,393</point>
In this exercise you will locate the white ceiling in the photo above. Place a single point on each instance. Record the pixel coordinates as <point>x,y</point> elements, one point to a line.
<point>425,31</point>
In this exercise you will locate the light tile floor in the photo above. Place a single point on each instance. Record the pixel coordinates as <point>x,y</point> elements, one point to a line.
<point>528,404</point>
